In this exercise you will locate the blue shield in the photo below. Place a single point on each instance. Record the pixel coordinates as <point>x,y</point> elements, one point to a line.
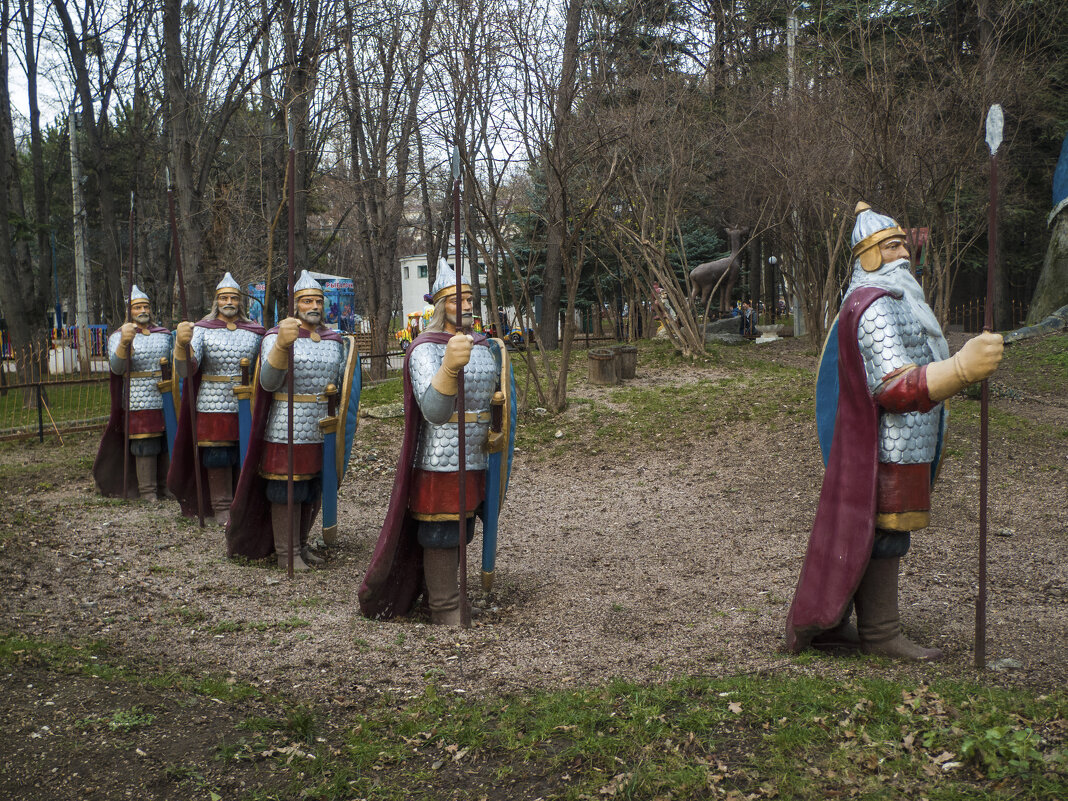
<point>338,434</point>
<point>499,467</point>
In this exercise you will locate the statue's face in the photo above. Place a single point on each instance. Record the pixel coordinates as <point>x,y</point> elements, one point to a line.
<point>893,249</point>
<point>141,312</point>
<point>466,310</point>
<point>229,304</point>
<point>310,309</point>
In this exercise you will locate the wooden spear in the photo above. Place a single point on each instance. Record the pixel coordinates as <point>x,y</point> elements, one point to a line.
<point>291,170</point>
<point>129,360</point>
<point>461,407</point>
<point>995,124</point>
<point>176,245</point>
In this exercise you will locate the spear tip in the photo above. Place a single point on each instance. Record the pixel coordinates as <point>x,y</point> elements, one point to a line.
<point>995,128</point>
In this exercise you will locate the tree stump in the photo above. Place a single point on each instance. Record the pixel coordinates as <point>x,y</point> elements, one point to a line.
<point>628,360</point>
<point>602,367</point>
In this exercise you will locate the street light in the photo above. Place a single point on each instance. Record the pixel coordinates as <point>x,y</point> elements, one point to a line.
<point>773,287</point>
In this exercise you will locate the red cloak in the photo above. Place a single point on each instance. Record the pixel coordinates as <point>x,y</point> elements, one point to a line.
<point>840,544</point>
<point>108,468</point>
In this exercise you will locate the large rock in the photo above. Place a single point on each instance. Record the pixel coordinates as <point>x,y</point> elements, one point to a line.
<point>725,339</point>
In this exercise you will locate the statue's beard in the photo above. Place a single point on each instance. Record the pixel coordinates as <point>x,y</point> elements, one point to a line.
<point>897,277</point>
<point>310,317</point>
<point>466,318</point>
<point>229,311</point>
<point>142,318</point>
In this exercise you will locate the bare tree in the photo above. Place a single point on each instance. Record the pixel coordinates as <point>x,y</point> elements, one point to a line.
<point>384,61</point>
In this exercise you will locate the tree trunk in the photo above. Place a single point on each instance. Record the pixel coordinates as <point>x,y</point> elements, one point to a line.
<point>554,161</point>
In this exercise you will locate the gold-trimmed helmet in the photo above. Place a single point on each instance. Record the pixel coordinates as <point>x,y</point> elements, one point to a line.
<point>870,230</point>
<point>307,286</point>
<point>227,285</point>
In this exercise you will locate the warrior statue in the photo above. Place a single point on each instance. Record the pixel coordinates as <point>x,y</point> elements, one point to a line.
<point>209,356</point>
<point>142,347</point>
<point>883,376</point>
<point>421,533</point>
<point>324,364</point>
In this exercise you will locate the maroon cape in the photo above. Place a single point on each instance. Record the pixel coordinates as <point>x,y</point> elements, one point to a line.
<point>180,478</point>
<point>394,577</point>
<point>839,547</point>
<point>250,532</point>
<point>108,466</point>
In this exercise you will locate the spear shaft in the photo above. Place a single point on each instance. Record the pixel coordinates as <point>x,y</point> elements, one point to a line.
<point>291,170</point>
<point>461,408</point>
<point>176,245</point>
<point>994,123</point>
<point>129,361</point>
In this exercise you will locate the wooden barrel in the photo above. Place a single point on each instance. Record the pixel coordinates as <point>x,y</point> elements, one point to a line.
<point>602,366</point>
<point>628,360</point>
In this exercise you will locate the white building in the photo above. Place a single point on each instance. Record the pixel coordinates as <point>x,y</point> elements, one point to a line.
<point>415,284</point>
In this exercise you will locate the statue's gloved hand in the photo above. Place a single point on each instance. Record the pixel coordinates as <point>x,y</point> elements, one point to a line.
<point>278,357</point>
<point>980,356</point>
<point>457,355</point>
<point>287,332</point>
<point>978,359</point>
<point>183,335</point>
<point>126,335</point>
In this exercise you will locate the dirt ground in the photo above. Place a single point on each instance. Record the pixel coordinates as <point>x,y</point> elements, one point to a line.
<point>646,563</point>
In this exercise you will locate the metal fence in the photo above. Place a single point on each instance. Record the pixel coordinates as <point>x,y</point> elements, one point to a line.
<point>970,316</point>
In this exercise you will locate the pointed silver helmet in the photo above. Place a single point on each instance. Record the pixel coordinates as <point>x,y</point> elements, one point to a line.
<point>306,285</point>
<point>871,229</point>
<point>444,283</point>
<point>227,284</point>
<point>136,294</point>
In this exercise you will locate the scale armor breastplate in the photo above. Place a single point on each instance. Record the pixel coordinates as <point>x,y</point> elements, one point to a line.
<point>890,338</point>
<point>148,349</point>
<point>219,352</point>
<point>315,364</point>
<point>438,450</point>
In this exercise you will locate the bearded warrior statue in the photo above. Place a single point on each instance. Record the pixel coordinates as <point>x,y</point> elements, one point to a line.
<point>209,355</point>
<point>422,530</point>
<point>325,365</point>
<point>137,350</point>
<point>884,374</point>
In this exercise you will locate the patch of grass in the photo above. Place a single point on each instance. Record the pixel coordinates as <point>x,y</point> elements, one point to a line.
<point>803,737</point>
<point>92,658</point>
<point>388,391</point>
<point>129,719</point>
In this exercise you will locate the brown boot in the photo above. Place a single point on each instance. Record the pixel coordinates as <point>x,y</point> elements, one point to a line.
<point>280,524</point>
<point>307,554</point>
<point>440,566</point>
<point>878,619</point>
<point>221,492</point>
<point>146,477</point>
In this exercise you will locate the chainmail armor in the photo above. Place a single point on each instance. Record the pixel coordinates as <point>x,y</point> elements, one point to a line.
<point>889,339</point>
<point>315,364</point>
<point>439,445</point>
<point>219,352</point>
<point>148,349</point>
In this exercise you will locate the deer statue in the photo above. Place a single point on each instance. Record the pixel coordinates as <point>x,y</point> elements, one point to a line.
<point>704,277</point>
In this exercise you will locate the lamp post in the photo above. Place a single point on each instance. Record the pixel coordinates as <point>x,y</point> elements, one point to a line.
<point>772,285</point>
